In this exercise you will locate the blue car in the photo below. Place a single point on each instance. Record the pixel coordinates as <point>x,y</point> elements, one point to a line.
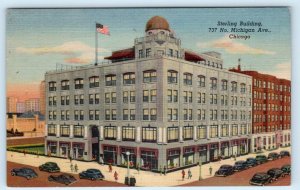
<point>28,173</point>
<point>240,165</point>
<point>92,174</point>
<point>251,162</point>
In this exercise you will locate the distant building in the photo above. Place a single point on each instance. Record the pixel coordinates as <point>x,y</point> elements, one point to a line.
<point>32,104</point>
<point>42,98</point>
<point>271,119</point>
<point>11,104</point>
<point>20,107</point>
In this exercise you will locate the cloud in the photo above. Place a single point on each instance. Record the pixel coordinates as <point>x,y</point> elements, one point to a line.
<point>281,70</point>
<point>75,51</point>
<point>233,47</point>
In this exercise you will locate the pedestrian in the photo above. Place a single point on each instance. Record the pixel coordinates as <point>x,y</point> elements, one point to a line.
<point>138,168</point>
<point>101,160</point>
<point>37,154</point>
<point>70,158</point>
<point>72,168</point>
<point>160,170</point>
<point>165,170</point>
<point>110,167</point>
<point>189,174</point>
<point>116,175</point>
<point>76,168</point>
<point>183,174</point>
<point>210,170</point>
<point>24,152</point>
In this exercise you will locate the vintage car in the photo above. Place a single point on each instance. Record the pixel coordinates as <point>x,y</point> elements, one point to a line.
<point>92,174</point>
<point>28,173</point>
<point>286,169</point>
<point>240,165</point>
<point>251,162</point>
<point>275,173</point>
<point>284,153</point>
<point>273,156</point>
<point>260,159</point>
<point>63,178</point>
<point>225,170</point>
<point>49,167</point>
<point>260,179</point>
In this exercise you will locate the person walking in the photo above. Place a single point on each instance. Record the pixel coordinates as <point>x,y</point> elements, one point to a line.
<point>165,170</point>
<point>189,174</point>
<point>116,176</point>
<point>72,168</point>
<point>70,158</point>
<point>183,174</point>
<point>76,168</point>
<point>110,167</point>
<point>210,170</point>
<point>138,168</point>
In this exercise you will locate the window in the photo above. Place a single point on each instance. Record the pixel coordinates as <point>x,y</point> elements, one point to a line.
<point>125,114</point>
<point>233,86</point>
<point>145,114</point>
<point>125,97</point>
<point>213,131</point>
<point>175,96</point>
<point>110,132</point>
<point>97,114</point>
<point>173,134</point>
<point>170,52</point>
<point>62,115</point>
<point>50,102</point>
<point>91,115</point>
<point>244,129</point>
<point>187,78</point>
<point>113,97</point>
<point>172,114</point>
<point>145,96</point>
<point>128,133</point>
<point>81,100</point>
<point>62,100</point>
<point>67,100</point>
<point>67,115</point>
<point>214,115</point>
<point>81,116</point>
<point>132,114</point>
<point>79,83</point>
<point>65,85</point>
<point>243,88</point>
<point>52,86</point>
<point>213,98</point>
<point>149,76</point>
<point>110,80</point>
<point>76,115</point>
<point>187,114</point>
<point>169,95</point>
<point>107,97</point>
<point>201,114</point>
<point>153,114</point>
<point>50,115</point>
<point>188,132</point>
<point>78,131</point>
<point>113,114</point>
<point>234,130</point>
<point>107,114</point>
<point>148,52</point>
<point>201,79</point>
<point>54,115</point>
<point>91,98</point>
<point>51,130</point>
<point>172,76</point>
<point>149,134</point>
<point>64,131</point>
<point>224,84</point>
<point>201,132</point>
<point>132,96</point>
<point>94,81</point>
<point>153,95</point>
<point>141,54</point>
<point>225,130</point>
<point>213,83</point>
<point>129,78</point>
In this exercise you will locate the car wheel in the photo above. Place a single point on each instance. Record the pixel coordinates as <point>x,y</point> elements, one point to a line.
<point>66,183</point>
<point>80,177</point>
<point>50,170</point>
<point>93,179</point>
<point>50,179</point>
<point>13,173</point>
<point>28,177</point>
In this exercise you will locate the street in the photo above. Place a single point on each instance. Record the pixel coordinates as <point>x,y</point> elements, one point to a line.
<point>42,179</point>
<point>242,178</point>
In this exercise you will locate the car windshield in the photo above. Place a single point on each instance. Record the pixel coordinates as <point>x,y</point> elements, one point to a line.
<point>93,171</point>
<point>258,177</point>
<point>224,167</point>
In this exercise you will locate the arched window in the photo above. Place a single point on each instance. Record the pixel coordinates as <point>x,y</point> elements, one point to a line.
<point>172,76</point>
<point>234,86</point>
<point>187,78</point>
<point>201,80</point>
<point>224,84</point>
<point>213,83</point>
<point>129,78</point>
<point>52,86</point>
<point>110,80</point>
<point>243,88</point>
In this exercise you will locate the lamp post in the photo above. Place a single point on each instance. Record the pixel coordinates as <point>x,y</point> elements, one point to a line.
<point>200,164</point>
<point>128,153</point>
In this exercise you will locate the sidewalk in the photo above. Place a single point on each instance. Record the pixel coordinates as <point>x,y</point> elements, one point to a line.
<point>144,178</point>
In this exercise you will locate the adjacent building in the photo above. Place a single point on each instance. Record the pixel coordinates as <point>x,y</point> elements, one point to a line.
<point>165,105</point>
<point>11,104</point>
<point>32,105</point>
<point>42,98</point>
<point>271,121</point>
<point>20,107</point>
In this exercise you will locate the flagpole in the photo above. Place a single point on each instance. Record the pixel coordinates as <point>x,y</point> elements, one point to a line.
<point>96,45</point>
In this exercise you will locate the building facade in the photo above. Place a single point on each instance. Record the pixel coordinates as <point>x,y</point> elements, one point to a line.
<point>42,98</point>
<point>32,105</point>
<point>165,105</point>
<point>20,107</point>
<point>271,122</point>
<point>11,104</point>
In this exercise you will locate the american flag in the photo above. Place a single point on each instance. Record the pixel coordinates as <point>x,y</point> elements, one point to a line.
<point>102,29</point>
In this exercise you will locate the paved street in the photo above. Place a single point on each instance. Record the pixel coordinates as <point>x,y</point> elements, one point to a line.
<point>171,179</point>
<point>42,179</point>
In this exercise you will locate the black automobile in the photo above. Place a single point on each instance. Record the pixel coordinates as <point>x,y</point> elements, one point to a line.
<point>225,170</point>
<point>260,159</point>
<point>251,162</point>
<point>28,173</point>
<point>260,179</point>
<point>275,173</point>
<point>92,174</point>
<point>240,165</point>
<point>273,156</point>
<point>63,178</point>
<point>286,169</point>
<point>49,167</point>
<point>284,153</point>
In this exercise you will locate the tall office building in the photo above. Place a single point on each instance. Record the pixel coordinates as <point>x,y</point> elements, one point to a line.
<point>165,105</point>
<point>11,104</point>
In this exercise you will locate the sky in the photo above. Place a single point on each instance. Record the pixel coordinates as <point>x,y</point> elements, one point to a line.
<point>39,39</point>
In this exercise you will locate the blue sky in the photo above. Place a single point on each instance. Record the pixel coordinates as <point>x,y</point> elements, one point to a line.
<point>37,39</point>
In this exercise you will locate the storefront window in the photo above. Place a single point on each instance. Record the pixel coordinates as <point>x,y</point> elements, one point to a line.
<point>188,155</point>
<point>128,133</point>
<point>173,158</point>
<point>173,134</point>
<point>110,154</point>
<point>132,157</point>
<point>149,159</point>
<point>110,132</point>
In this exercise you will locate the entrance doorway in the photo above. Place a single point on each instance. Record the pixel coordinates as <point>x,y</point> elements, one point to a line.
<point>95,143</point>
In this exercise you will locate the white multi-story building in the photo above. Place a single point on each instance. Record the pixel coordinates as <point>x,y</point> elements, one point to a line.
<point>167,106</point>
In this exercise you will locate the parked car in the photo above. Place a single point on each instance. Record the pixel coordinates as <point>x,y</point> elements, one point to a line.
<point>251,162</point>
<point>28,173</point>
<point>273,156</point>
<point>260,159</point>
<point>286,169</point>
<point>284,153</point>
<point>92,174</point>
<point>260,179</point>
<point>63,178</point>
<point>240,165</point>
<point>49,167</point>
<point>275,173</point>
<point>225,170</point>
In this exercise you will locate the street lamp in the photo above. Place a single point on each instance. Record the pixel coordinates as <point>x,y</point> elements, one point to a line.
<point>200,164</point>
<point>128,153</point>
